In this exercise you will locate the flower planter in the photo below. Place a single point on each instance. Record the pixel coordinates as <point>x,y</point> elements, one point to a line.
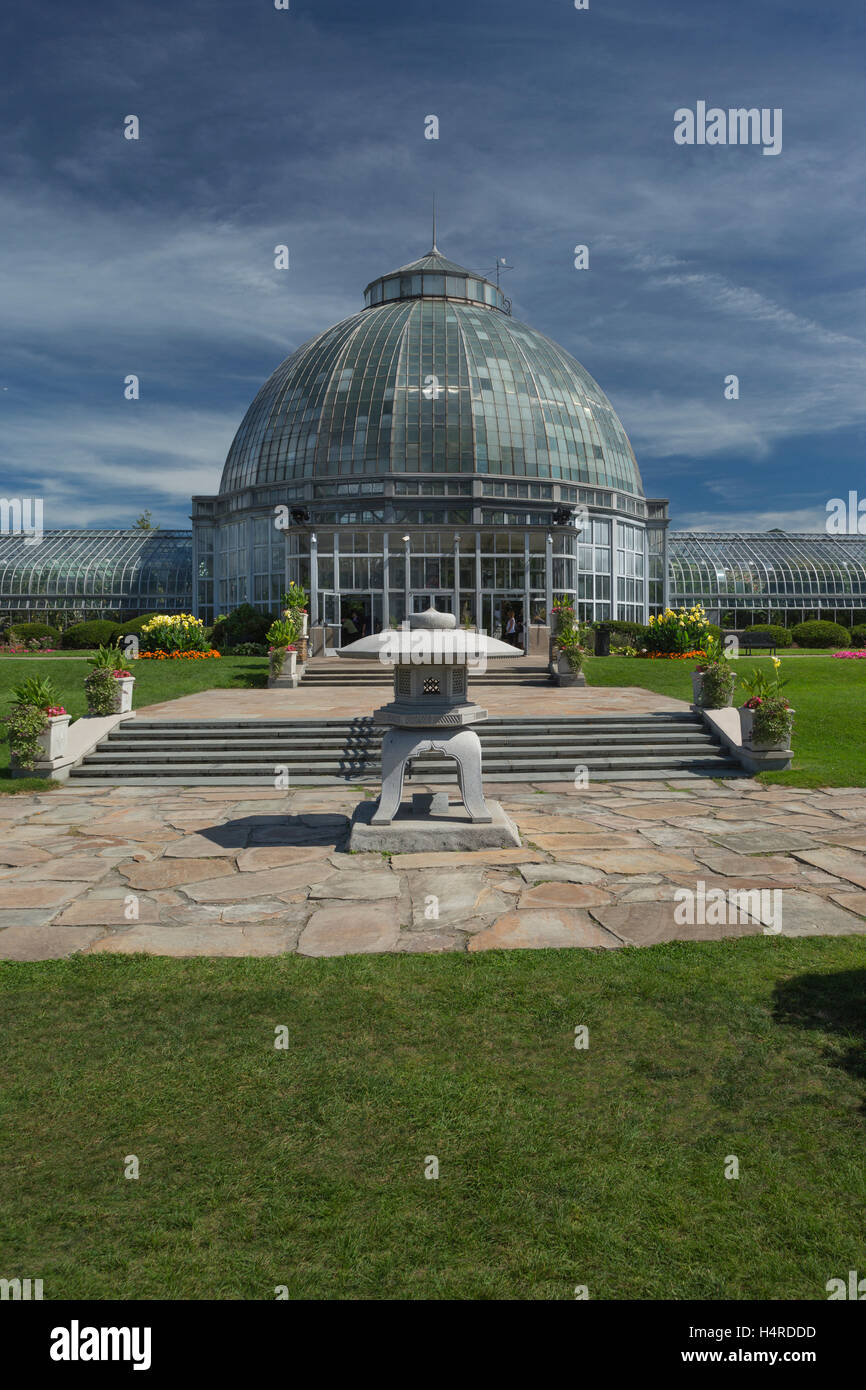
<point>123,694</point>
<point>52,740</point>
<point>697,692</point>
<point>283,669</point>
<point>564,673</point>
<point>747,720</point>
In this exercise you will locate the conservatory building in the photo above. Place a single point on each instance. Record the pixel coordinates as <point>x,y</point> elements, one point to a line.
<point>431,448</point>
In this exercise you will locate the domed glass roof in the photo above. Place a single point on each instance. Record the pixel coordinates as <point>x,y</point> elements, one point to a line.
<point>432,376</point>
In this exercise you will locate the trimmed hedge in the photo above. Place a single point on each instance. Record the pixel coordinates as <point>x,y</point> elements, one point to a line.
<point>35,632</point>
<point>818,633</point>
<point>245,624</point>
<point>858,635</point>
<point>99,632</point>
<point>780,635</point>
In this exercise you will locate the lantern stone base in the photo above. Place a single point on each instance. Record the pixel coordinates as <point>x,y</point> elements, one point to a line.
<point>417,828</point>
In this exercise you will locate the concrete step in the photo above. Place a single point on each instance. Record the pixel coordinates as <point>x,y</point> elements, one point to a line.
<point>184,728</point>
<point>371,757</point>
<point>326,752</point>
<point>210,738</point>
<point>720,768</point>
<point>105,763</point>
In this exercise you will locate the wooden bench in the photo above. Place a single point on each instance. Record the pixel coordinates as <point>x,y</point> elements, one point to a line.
<point>763,641</point>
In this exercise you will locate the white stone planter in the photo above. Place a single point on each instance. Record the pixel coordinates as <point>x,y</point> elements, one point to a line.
<point>747,720</point>
<point>52,740</point>
<point>563,674</point>
<point>288,676</point>
<point>697,691</point>
<point>123,694</point>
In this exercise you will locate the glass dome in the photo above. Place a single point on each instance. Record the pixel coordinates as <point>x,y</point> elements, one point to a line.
<point>433,376</point>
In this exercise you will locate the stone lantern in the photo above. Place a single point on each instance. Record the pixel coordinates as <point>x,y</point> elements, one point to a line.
<point>431,712</point>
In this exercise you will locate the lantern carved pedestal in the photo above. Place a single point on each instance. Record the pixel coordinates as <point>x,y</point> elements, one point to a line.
<point>430,713</point>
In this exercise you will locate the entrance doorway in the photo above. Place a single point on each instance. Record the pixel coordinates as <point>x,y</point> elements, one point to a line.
<point>496,609</point>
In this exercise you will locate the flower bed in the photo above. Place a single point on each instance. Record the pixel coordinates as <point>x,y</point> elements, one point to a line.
<point>850,656</point>
<point>174,633</point>
<point>680,631</point>
<point>18,649</point>
<point>697,655</point>
<point>178,656</point>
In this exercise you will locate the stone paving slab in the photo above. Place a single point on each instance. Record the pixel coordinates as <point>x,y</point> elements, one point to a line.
<point>247,871</point>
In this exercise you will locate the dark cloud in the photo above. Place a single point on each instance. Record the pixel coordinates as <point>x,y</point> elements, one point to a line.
<point>306,127</point>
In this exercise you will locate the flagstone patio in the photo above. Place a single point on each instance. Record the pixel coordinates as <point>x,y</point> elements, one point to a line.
<point>245,871</point>
<point>500,699</point>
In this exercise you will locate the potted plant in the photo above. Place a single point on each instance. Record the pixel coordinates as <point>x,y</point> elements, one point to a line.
<point>561,614</point>
<point>37,725</point>
<point>108,687</point>
<point>714,680</point>
<point>282,652</point>
<point>296,606</point>
<point>766,718</point>
<point>571,652</point>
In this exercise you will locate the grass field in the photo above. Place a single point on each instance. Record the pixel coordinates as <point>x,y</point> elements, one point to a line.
<point>557,1167</point>
<point>155,680</point>
<point>829,697</point>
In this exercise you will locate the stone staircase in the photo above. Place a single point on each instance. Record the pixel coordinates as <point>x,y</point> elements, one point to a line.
<point>327,752</point>
<point>332,671</point>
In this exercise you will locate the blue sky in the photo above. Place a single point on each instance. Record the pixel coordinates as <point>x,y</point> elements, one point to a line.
<point>306,127</point>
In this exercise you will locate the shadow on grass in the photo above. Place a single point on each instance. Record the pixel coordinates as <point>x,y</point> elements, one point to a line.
<point>252,676</point>
<point>834,1004</point>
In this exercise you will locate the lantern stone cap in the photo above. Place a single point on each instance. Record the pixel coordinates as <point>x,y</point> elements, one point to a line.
<point>429,639</point>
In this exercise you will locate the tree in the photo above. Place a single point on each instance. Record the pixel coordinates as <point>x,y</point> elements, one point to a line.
<point>144,523</point>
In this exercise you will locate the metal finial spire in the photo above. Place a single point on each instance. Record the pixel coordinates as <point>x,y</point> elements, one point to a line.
<point>435,247</point>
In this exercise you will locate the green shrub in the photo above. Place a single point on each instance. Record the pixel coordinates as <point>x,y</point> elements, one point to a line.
<point>818,633</point>
<point>99,632</point>
<point>717,686</point>
<point>135,625</point>
<point>780,635</point>
<point>35,632</point>
<point>101,690</point>
<point>245,624</point>
<point>629,629</point>
<point>858,636</point>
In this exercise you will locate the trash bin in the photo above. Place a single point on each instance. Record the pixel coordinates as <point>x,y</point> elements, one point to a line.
<point>602,640</point>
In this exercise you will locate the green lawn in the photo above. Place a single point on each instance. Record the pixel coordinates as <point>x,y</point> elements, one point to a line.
<point>558,1167</point>
<point>155,680</point>
<point>829,697</point>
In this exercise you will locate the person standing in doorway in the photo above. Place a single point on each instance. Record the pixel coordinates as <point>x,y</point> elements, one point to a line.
<point>511,628</point>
